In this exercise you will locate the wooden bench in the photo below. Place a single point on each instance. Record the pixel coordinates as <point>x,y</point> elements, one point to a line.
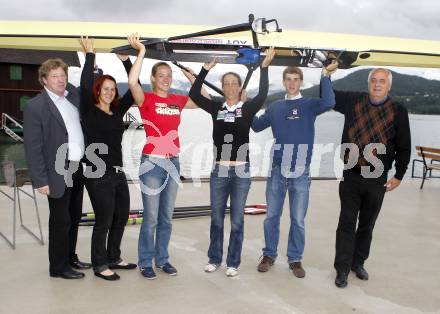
<point>428,153</point>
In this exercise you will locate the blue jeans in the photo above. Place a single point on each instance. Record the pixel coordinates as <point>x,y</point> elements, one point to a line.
<point>159,183</point>
<point>233,182</point>
<point>276,188</point>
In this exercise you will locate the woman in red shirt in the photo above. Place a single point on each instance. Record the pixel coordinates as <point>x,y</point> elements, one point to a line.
<point>159,169</point>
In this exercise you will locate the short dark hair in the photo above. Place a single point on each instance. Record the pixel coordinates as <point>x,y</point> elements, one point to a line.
<point>293,70</point>
<point>231,73</point>
<point>97,85</point>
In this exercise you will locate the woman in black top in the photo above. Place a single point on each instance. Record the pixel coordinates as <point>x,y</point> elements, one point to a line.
<point>102,117</point>
<point>230,177</point>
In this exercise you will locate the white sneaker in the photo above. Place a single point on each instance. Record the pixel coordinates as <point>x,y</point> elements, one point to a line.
<point>210,268</point>
<point>231,272</point>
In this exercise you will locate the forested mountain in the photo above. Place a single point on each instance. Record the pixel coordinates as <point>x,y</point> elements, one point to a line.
<point>417,94</point>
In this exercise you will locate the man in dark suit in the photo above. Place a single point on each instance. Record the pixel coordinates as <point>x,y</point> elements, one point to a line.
<point>54,147</point>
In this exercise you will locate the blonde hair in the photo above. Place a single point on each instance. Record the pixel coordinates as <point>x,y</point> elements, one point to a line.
<point>157,65</point>
<point>49,65</point>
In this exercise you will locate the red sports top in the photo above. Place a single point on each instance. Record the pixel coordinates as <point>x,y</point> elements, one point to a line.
<point>161,118</point>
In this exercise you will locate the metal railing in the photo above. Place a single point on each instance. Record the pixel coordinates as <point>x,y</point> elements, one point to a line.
<point>130,119</point>
<point>7,119</point>
<point>15,179</point>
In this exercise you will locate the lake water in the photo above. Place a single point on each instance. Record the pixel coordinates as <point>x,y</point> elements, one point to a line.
<point>196,145</point>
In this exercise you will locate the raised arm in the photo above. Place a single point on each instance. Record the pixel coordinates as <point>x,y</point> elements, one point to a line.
<point>133,76</point>
<point>195,93</point>
<point>191,78</point>
<point>257,102</point>
<point>127,100</point>
<point>327,95</point>
<point>87,76</point>
<point>126,62</point>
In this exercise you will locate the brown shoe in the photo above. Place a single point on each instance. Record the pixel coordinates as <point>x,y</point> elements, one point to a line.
<point>265,263</point>
<point>297,269</point>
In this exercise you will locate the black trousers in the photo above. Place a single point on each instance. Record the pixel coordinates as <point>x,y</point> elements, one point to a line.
<point>111,203</point>
<point>64,216</point>
<point>361,198</point>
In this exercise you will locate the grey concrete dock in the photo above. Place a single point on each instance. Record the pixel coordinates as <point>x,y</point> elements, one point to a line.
<point>404,263</point>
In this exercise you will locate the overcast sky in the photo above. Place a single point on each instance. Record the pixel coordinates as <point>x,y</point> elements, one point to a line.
<point>397,18</point>
<point>401,18</point>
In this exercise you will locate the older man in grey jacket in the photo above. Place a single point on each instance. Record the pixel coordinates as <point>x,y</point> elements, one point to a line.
<point>54,147</point>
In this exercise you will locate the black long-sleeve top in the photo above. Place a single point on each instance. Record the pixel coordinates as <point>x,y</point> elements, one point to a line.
<point>231,139</point>
<point>98,126</point>
<point>398,148</point>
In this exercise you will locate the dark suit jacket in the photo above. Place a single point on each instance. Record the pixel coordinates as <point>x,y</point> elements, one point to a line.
<point>44,132</point>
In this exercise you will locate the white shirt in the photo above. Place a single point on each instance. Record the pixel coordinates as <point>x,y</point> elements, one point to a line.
<point>232,108</point>
<point>70,116</point>
<point>294,97</point>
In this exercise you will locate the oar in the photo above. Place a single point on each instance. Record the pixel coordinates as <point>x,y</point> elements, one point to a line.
<point>180,209</point>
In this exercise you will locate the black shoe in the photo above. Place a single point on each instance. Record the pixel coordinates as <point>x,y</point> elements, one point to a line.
<point>111,277</point>
<point>148,272</point>
<point>128,266</point>
<point>77,264</point>
<point>169,269</point>
<point>69,274</point>
<point>360,271</point>
<point>341,279</point>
